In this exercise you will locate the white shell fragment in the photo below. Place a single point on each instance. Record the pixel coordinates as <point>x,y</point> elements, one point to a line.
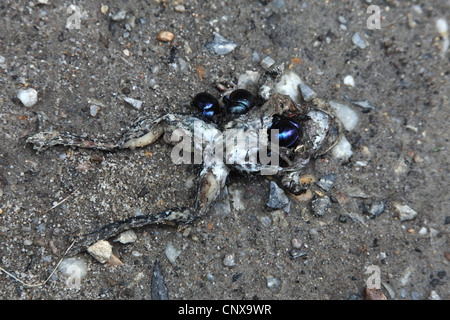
<point>343,150</point>
<point>288,85</point>
<point>347,115</point>
<point>307,93</point>
<point>136,104</point>
<point>101,251</point>
<point>28,97</point>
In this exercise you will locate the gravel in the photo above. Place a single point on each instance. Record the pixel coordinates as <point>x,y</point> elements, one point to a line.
<point>28,97</point>
<point>220,45</point>
<point>277,198</point>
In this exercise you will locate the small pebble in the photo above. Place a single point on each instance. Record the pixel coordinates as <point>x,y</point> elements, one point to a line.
<point>423,231</point>
<point>406,275</point>
<point>307,93</point>
<point>119,16</point>
<point>101,251</point>
<point>288,85</point>
<point>267,62</point>
<point>165,36</point>
<point>28,97</point>
<point>405,212</point>
<point>277,198</point>
<point>342,150</point>
<point>327,181</point>
<point>136,104</point>
<point>320,206</point>
<point>94,110</point>
<point>171,253</point>
<point>236,277</point>
<point>2,62</point>
<point>296,243</point>
<point>126,237</point>
<point>255,57</point>
<point>376,208</point>
<point>349,81</point>
<point>266,221</point>
<point>180,8</point>
<point>434,296</point>
<point>347,115</point>
<point>220,45</point>
<point>342,19</point>
<point>295,253</point>
<point>229,260</point>
<point>273,283</point>
<point>104,8</point>
<point>359,41</point>
<point>442,28</point>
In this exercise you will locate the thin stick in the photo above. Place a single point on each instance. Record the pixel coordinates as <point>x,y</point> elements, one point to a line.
<point>59,203</point>
<point>46,280</point>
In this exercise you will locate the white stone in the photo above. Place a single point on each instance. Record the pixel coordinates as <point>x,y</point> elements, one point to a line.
<point>101,251</point>
<point>28,97</point>
<point>404,211</point>
<point>347,115</point>
<point>171,253</point>
<point>137,104</point>
<point>229,260</point>
<point>94,110</point>
<point>288,85</point>
<point>2,62</point>
<point>343,150</point>
<point>119,16</point>
<point>267,62</point>
<point>359,41</point>
<point>442,27</point>
<point>273,283</point>
<point>127,237</point>
<point>423,231</point>
<point>349,81</point>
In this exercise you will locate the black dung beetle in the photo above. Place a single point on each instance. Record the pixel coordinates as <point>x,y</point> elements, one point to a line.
<point>207,104</point>
<point>239,102</point>
<point>289,131</point>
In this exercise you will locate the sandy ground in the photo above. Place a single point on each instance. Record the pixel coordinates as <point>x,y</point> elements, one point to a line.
<point>400,149</point>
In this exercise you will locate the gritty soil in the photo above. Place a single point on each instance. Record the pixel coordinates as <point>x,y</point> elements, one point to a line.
<point>400,150</point>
